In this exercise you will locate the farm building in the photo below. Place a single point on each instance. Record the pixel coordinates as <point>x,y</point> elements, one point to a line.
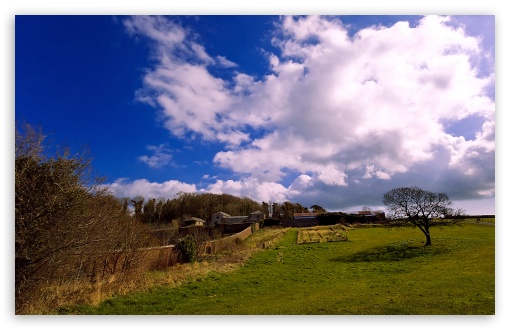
<point>222,218</point>
<point>371,216</point>
<point>301,220</point>
<point>192,222</point>
<point>299,216</point>
<point>256,216</point>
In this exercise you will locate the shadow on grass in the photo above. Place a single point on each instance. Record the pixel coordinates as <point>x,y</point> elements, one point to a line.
<point>393,252</point>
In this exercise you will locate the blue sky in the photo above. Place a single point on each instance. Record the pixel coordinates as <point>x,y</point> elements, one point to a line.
<point>328,110</point>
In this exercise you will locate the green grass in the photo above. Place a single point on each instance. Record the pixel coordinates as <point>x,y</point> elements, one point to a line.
<point>378,271</point>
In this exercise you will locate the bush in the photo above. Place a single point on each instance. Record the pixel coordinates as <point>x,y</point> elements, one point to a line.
<point>187,247</point>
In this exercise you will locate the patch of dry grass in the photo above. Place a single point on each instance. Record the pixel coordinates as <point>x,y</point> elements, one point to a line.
<point>53,296</point>
<point>321,234</point>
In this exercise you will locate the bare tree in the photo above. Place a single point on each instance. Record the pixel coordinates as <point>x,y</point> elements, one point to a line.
<point>419,207</point>
<point>137,203</point>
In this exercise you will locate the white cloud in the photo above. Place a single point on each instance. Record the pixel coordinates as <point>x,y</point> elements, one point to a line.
<point>164,31</point>
<point>344,111</point>
<point>222,61</point>
<point>190,98</point>
<point>160,158</point>
<point>252,188</point>
<point>244,83</point>
<point>168,189</point>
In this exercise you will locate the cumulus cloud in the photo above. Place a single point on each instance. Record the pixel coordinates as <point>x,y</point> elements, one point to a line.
<point>168,189</point>
<point>180,85</point>
<point>252,188</point>
<point>347,113</point>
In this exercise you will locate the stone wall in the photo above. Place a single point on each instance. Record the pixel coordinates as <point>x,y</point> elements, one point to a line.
<point>227,242</point>
<point>152,258</point>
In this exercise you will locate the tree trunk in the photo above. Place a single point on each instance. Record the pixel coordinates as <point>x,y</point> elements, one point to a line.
<point>429,241</point>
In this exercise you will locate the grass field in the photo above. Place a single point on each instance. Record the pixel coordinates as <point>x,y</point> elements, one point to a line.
<point>377,271</point>
<point>480,220</point>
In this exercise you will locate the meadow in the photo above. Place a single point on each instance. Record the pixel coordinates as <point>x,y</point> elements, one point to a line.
<point>377,271</point>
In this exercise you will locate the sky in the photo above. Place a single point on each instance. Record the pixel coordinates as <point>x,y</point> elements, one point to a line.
<point>327,110</point>
<point>87,81</point>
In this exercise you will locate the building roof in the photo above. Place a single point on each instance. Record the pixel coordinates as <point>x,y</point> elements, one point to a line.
<point>223,214</point>
<point>194,219</point>
<point>305,215</point>
<point>365,212</point>
<point>368,212</point>
<point>237,217</point>
<point>257,212</point>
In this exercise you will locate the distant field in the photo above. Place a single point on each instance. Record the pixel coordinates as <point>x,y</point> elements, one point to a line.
<point>377,271</point>
<point>487,220</point>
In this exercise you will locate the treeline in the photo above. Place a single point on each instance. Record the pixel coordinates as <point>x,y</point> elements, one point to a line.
<point>203,206</point>
<point>184,205</point>
<point>286,210</point>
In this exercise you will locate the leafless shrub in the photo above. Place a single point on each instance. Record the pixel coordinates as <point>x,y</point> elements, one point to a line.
<point>67,226</point>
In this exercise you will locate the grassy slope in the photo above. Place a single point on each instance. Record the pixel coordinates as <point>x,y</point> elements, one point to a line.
<point>378,271</point>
